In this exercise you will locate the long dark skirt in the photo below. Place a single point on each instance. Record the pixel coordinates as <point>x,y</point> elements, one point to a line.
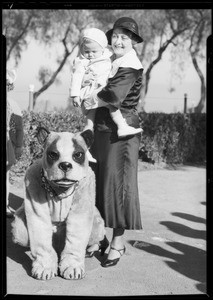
<point>116,180</point>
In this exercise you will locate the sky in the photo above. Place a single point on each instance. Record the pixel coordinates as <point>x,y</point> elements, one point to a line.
<point>158,99</point>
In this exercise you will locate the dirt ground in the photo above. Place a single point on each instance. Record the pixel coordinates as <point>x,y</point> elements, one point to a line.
<point>167,257</point>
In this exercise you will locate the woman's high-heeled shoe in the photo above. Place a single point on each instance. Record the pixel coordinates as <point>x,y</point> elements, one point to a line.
<point>102,246</point>
<point>112,262</point>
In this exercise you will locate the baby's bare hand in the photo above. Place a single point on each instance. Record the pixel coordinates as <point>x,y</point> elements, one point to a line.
<point>76,101</point>
<point>87,82</point>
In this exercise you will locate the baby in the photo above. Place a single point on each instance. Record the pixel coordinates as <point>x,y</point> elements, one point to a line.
<point>91,70</point>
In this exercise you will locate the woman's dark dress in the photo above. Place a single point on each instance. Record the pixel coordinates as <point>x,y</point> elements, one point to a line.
<point>117,159</point>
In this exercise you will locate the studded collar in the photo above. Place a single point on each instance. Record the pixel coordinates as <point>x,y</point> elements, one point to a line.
<point>52,193</point>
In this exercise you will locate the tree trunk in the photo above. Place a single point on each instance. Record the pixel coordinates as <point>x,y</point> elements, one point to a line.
<point>50,82</point>
<point>52,79</point>
<point>196,40</point>
<point>147,75</point>
<point>19,37</point>
<point>201,104</point>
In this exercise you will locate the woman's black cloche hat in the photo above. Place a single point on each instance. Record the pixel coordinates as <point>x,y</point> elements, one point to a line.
<point>128,24</point>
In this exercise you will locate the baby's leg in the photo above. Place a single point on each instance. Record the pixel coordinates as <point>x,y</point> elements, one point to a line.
<point>90,117</point>
<point>123,128</point>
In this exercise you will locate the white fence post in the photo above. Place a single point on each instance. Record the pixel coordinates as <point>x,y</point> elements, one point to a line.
<point>31,91</point>
<point>185,104</point>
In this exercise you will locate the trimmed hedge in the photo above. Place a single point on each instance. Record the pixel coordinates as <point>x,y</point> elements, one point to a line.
<point>174,138</point>
<point>53,121</point>
<point>169,138</point>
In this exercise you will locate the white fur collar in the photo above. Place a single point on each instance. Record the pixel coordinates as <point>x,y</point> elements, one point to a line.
<point>129,60</point>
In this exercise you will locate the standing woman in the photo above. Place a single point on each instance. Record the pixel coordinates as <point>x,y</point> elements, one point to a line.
<point>117,158</point>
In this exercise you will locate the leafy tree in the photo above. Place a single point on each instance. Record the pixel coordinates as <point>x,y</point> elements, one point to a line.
<point>178,28</point>
<point>201,30</point>
<point>192,45</point>
<point>16,26</point>
<point>64,27</point>
<point>161,30</point>
<point>49,27</point>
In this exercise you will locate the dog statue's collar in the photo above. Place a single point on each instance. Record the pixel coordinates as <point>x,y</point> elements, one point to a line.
<point>52,193</point>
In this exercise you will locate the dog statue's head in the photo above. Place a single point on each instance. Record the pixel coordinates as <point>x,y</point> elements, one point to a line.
<point>64,159</point>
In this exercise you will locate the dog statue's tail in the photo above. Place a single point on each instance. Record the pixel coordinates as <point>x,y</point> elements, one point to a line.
<point>98,230</point>
<point>19,228</point>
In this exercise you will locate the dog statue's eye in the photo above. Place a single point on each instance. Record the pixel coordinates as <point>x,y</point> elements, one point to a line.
<point>53,155</point>
<point>78,156</point>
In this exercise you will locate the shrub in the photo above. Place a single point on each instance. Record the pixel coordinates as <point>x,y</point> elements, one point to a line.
<point>32,150</point>
<point>168,138</point>
<point>174,138</point>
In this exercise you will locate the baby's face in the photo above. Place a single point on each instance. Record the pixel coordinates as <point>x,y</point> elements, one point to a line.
<point>91,50</point>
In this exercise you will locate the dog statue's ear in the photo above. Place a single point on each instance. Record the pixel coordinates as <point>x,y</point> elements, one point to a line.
<point>42,134</point>
<point>88,136</point>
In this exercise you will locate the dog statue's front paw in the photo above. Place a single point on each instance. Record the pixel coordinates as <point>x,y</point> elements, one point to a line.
<point>70,269</point>
<point>39,272</point>
<point>73,273</point>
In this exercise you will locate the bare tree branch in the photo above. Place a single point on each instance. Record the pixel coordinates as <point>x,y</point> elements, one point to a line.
<point>22,33</point>
<point>54,75</point>
<point>158,58</point>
